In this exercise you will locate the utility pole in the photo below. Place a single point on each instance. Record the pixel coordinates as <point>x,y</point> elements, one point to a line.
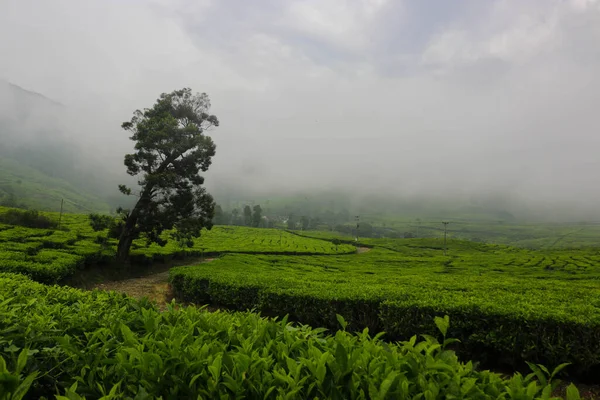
<point>445,226</point>
<point>357,219</point>
<point>61,210</point>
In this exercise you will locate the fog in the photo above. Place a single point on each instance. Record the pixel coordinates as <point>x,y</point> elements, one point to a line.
<point>420,99</point>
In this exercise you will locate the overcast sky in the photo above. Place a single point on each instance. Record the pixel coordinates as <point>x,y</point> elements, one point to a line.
<point>422,95</point>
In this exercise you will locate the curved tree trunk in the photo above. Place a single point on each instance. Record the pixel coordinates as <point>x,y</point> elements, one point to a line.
<point>126,238</point>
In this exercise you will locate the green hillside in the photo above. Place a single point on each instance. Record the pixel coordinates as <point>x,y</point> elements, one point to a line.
<point>24,186</point>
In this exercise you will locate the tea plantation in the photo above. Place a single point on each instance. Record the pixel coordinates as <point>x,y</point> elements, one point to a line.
<point>57,340</point>
<point>507,307</point>
<point>50,255</point>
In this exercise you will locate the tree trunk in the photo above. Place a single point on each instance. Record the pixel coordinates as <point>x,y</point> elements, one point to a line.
<point>128,234</point>
<point>126,238</point>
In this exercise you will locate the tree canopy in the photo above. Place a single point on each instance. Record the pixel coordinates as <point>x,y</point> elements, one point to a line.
<point>171,150</point>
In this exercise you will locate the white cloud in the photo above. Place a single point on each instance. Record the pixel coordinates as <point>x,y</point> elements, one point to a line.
<point>493,98</point>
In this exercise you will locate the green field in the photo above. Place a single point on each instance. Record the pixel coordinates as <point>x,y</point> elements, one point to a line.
<point>517,234</point>
<point>509,305</point>
<point>51,255</point>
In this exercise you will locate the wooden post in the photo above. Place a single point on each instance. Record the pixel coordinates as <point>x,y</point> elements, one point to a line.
<point>61,211</point>
<point>445,225</point>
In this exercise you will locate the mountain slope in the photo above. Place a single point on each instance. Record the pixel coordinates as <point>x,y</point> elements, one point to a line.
<point>29,187</point>
<point>40,163</point>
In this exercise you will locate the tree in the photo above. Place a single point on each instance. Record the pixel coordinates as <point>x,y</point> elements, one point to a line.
<point>219,218</point>
<point>235,217</point>
<point>305,222</point>
<point>256,215</point>
<point>170,151</point>
<point>247,216</point>
<point>291,222</point>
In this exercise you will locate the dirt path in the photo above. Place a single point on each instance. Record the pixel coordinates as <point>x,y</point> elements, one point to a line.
<point>154,286</point>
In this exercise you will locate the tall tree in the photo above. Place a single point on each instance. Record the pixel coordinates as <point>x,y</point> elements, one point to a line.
<point>291,222</point>
<point>305,222</point>
<point>247,216</point>
<point>219,218</point>
<point>171,150</point>
<point>235,217</point>
<point>256,215</point>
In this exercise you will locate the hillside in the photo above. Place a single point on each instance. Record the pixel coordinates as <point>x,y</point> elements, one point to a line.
<point>24,186</point>
<point>40,163</point>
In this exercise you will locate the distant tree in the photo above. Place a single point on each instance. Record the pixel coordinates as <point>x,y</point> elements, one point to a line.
<point>366,229</point>
<point>10,200</point>
<point>304,221</point>
<point>291,222</point>
<point>219,218</point>
<point>170,151</point>
<point>27,218</point>
<point>235,217</point>
<point>247,216</point>
<point>99,222</point>
<point>256,215</point>
<point>265,222</point>
<point>314,223</point>
<point>343,216</point>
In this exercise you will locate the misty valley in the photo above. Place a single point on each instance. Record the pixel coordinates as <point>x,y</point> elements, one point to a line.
<point>324,293</point>
<point>299,200</point>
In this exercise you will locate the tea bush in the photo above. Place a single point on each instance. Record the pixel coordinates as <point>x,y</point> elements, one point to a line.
<point>78,238</point>
<point>94,344</point>
<point>509,318</point>
<point>27,218</point>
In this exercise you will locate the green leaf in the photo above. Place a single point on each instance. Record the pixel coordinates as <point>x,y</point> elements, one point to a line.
<point>22,361</point>
<point>558,369</point>
<point>341,357</point>
<point>387,384</point>
<point>442,324</point>
<point>538,373</point>
<point>2,366</point>
<point>341,321</point>
<point>572,393</point>
<point>23,388</point>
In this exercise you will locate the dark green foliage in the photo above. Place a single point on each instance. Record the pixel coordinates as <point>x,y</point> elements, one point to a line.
<point>247,216</point>
<point>219,218</point>
<point>256,215</point>
<point>171,150</point>
<point>10,200</point>
<point>94,344</point>
<point>291,222</point>
<point>304,222</point>
<point>27,218</point>
<point>100,222</point>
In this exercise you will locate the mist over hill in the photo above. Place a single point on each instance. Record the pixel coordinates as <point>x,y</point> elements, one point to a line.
<point>41,163</point>
<point>476,109</point>
<point>44,160</point>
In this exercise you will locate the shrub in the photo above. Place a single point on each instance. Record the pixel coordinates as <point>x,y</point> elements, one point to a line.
<point>103,344</point>
<point>27,218</point>
<point>504,320</point>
